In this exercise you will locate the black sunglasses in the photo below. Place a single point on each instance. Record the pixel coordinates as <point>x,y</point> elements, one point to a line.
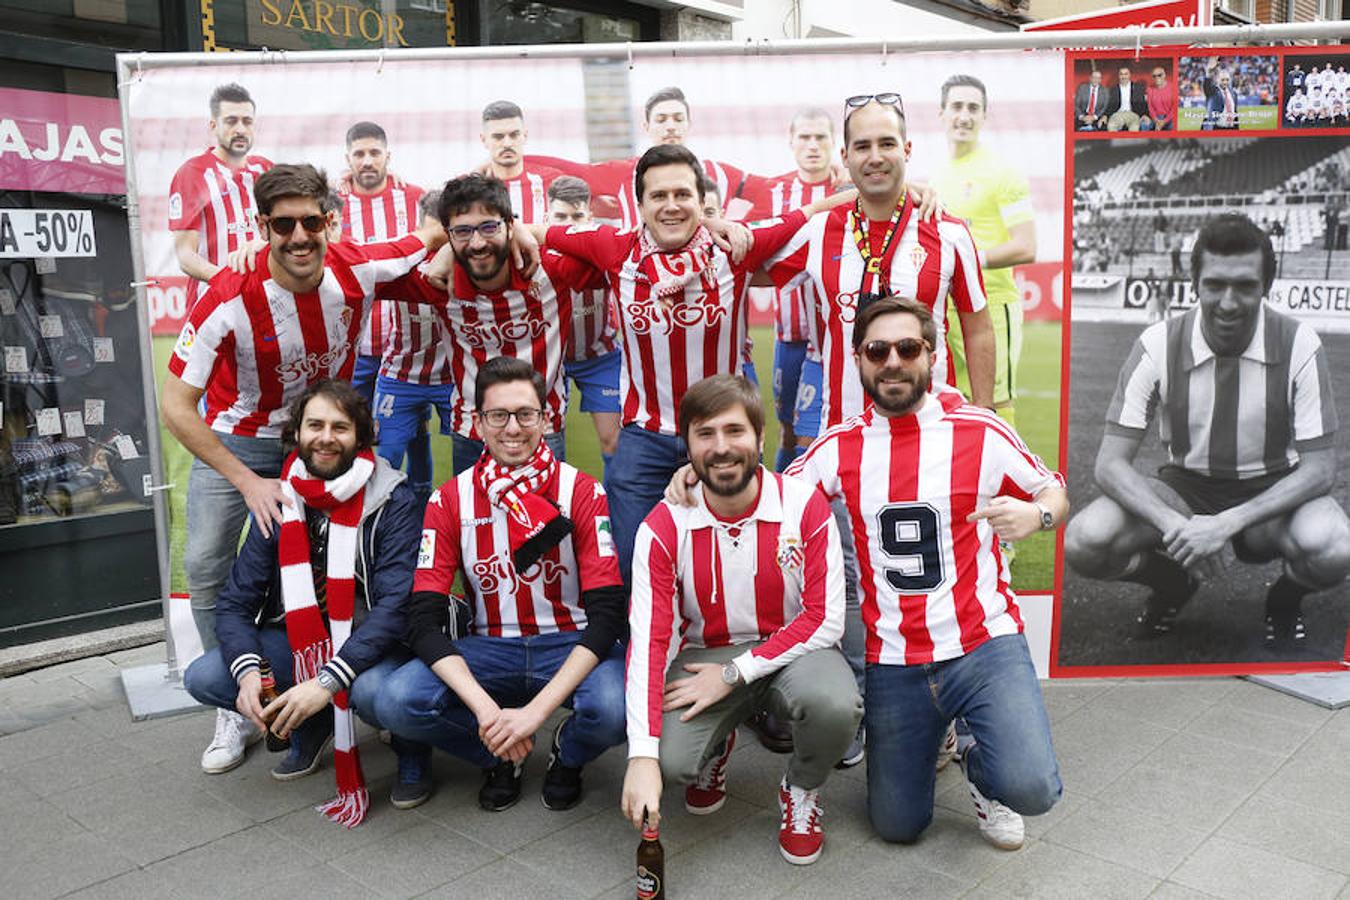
<point>889,98</point>
<point>879,351</point>
<point>284,225</point>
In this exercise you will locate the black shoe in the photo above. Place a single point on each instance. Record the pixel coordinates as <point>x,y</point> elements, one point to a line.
<point>562,784</point>
<point>773,734</point>
<point>501,786</point>
<point>413,785</point>
<point>303,758</point>
<point>1160,612</point>
<point>1284,615</point>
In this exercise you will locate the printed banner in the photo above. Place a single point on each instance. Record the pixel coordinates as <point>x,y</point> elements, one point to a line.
<point>60,143</point>
<point>1207,390</point>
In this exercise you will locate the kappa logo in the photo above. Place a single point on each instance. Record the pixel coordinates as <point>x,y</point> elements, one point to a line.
<point>435,497</point>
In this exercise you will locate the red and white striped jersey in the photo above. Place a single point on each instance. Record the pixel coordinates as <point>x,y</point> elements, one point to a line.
<point>528,320</point>
<point>407,338</point>
<point>668,346</point>
<point>215,201</point>
<point>781,196</point>
<point>255,346</point>
<point>463,533</point>
<point>774,578</point>
<point>611,183</point>
<point>529,195</point>
<point>934,586</point>
<point>928,261</point>
<point>1243,416</point>
<point>368,219</point>
<point>592,333</point>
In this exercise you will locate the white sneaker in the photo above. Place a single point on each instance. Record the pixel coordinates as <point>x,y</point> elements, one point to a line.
<point>999,825</point>
<point>947,752</point>
<point>234,734</point>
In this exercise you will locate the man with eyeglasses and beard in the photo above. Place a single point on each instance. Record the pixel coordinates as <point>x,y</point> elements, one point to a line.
<point>931,485</point>
<point>491,308</point>
<point>253,343</point>
<point>529,536</point>
<point>321,599</point>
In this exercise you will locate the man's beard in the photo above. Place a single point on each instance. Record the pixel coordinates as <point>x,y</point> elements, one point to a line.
<point>498,256</point>
<point>340,467</point>
<point>898,406</point>
<point>228,148</point>
<point>369,179</point>
<point>701,469</point>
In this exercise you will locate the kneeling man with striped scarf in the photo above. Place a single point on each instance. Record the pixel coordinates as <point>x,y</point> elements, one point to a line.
<point>329,589</point>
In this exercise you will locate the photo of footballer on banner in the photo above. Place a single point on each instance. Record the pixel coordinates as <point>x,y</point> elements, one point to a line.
<point>1205,402</point>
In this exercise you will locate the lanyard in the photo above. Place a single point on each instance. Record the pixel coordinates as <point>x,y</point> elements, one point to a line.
<point>872,265</point>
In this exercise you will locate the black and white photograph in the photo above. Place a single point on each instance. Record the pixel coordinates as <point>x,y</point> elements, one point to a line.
<point>1316,91</point>
<point>1210,322</point>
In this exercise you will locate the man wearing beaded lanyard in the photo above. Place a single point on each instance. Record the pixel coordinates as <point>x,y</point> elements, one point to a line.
<point>876,247</point>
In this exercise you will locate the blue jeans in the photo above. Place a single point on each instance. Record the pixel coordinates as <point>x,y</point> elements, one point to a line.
<point>415,704</point>
<point>215,517</point>
<point>208,679</point>
<point>994,689</point>
<point>635,480</point>
<point>464,452</point>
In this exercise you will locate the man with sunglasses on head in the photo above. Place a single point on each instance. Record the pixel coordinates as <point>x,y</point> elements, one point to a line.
<point>253,343</point>
<point>530,538</point>
<point>879,246</point>
<point>491,308</point>
<point>932,485</point>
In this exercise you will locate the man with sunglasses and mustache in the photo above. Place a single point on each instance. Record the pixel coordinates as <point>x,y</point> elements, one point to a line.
<point>253,343</point>
<point>931,485</point>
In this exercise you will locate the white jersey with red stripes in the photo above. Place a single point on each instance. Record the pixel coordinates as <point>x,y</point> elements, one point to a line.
<point>774,578</point>
<point>592,333</point>
<point>529,195</point>
<point>464,534</point>
<point>254,346</point>
<point>669,345</point>
<point>927,261</point>
<point>216,201</point>
<point>791,320</point>
<point>528,319</point>
<point>934,586</point>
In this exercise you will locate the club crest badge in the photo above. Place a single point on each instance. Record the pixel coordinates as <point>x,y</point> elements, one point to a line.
<point>791,555</point>
<point>917,257</point>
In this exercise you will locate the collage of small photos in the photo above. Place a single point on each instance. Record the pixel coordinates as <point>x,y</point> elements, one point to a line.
<point>1160,145</point>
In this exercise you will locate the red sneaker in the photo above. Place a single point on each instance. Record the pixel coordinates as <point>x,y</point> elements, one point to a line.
<point>799,837</point>
<point>709,791</point>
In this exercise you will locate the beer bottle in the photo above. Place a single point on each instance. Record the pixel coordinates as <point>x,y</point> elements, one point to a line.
<point>269,693</point>
<point>651,863</point>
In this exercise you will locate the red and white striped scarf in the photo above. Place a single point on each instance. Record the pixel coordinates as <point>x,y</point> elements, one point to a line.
<point>676,268</point>
<point>343,499</point>
<point>534,525</point>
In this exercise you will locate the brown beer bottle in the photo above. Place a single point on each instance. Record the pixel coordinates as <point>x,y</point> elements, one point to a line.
<point>651,863</point>
<point>269,693</point>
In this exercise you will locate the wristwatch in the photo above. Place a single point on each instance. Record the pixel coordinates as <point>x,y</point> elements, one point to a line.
<point>730,674</point>
<point>328,682</point>
<point>1047,517</point>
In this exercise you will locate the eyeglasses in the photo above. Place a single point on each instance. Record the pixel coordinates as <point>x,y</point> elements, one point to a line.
<point>464,233</point>
<point>889,98</point>
<point>525,418</point>
<point>878,352</point>
<point>284,225</point>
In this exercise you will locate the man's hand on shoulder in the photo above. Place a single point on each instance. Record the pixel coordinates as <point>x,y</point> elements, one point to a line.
<point>264,499</point>
<point>733,237</point>
<point>680,490</point>
<point>244,258</point>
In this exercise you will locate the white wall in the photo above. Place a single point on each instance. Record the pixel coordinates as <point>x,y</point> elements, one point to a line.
<point>772,20</point>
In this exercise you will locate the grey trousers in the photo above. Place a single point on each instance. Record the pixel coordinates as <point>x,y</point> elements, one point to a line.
<point>815,694</point>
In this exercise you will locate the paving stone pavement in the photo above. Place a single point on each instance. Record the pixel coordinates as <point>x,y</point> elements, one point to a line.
<point>1173,789</point>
